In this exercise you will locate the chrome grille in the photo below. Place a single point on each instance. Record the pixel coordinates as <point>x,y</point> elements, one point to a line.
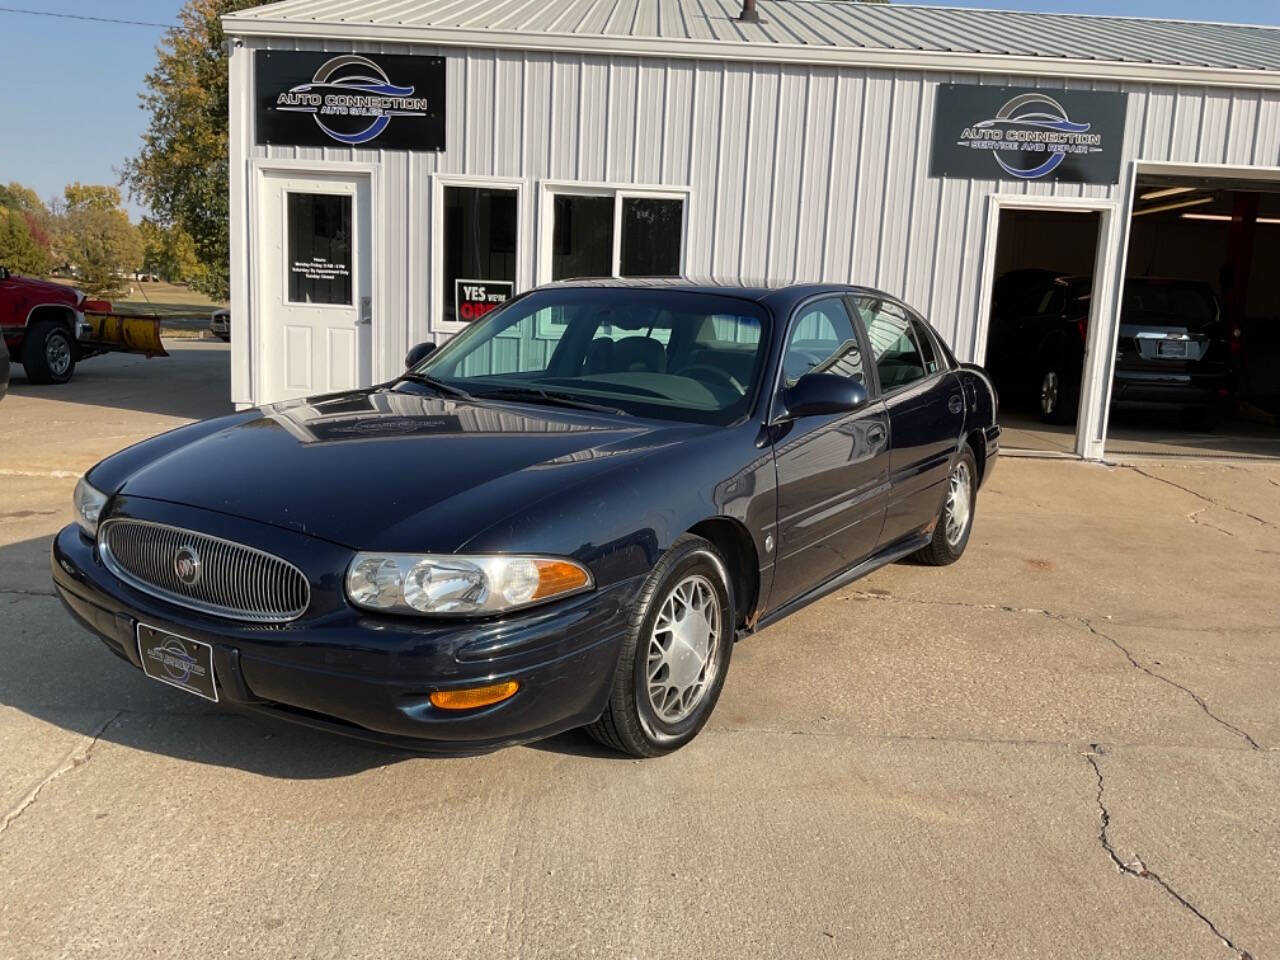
<point>232,580</point>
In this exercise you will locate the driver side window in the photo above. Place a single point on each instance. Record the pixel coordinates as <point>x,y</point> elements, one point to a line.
<point>822,340</point>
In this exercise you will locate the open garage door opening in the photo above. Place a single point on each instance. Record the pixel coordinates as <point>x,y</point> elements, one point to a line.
<point>1041,302</point>
<point>1197,366</point>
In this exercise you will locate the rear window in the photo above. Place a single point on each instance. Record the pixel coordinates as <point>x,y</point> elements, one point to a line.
<point>1186,304</point>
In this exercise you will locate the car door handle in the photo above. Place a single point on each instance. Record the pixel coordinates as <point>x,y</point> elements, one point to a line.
<point>956,403</point>
<point>875,434</point>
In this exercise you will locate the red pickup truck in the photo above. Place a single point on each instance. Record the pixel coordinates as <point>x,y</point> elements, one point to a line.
<point>44,326</point>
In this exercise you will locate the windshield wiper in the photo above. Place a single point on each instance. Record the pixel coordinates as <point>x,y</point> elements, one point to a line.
<point>538,394</point>
<point>439,386</point>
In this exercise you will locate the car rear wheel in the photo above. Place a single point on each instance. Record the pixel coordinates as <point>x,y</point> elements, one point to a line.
<point>49,353</point>
<point>1057,396</point>
<point>955,520</point>
<point>675,656</point>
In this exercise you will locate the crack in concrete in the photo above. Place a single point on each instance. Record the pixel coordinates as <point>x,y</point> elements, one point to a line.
<point>1088,625</point>
<point>14,592</point>
<point>1194,517</point>
<point>74,758</point>
<point>1200,701</point>
<point>1207,499</point>
<point>1140,870</point>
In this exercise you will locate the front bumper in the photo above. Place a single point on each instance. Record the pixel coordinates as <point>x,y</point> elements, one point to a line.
<point>1147,390</point>
<point>370,676</point>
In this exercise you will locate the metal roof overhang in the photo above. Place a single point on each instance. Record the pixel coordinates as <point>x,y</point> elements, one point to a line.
<point>865,57</point>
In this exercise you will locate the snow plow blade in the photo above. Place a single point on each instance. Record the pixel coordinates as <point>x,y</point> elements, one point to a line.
<point>123,333</point>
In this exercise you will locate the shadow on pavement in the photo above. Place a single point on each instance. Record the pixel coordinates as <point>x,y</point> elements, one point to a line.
<point>193,382</point>
<point>59,673</point>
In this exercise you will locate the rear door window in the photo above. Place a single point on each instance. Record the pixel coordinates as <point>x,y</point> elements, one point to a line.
<point>898,357</point>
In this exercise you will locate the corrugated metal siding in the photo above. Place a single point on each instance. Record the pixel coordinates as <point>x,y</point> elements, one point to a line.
<point>818,24</point>
<point>794,172</point>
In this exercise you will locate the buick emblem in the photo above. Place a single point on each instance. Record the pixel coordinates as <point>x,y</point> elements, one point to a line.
<point>186,564</point>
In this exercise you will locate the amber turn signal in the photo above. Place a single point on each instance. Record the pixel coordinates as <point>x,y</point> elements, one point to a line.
<point>556,577</point>
<point>473,697</point>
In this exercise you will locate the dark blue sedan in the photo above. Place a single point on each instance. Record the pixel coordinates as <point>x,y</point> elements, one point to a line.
<point>564,517</point>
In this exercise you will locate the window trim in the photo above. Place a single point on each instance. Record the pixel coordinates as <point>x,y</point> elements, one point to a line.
<point>338,190</point>
<point>845,296</point>
<point>549,189</point>
<point>435,305</point>
<point>911,317</point>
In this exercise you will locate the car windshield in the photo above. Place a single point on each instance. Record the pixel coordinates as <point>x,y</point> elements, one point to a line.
<point>665,354</point>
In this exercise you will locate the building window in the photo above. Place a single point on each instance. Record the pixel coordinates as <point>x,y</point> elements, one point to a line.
<point>582,245</point>
<point>652,229</point>
<point>607,235</point>
<point>480,228</point>
<point>319,246</point>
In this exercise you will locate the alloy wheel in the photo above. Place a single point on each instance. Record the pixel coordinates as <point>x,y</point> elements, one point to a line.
<point>684,649</point>
<point>959,503</point>
<point>1049,392</point>
<point>57,353</point>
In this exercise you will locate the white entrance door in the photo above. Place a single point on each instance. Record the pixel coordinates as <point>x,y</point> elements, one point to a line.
<point>315,284</point>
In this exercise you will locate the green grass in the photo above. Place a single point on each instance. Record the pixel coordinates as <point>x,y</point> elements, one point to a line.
<point>168,301</point>
<point>165,300</point>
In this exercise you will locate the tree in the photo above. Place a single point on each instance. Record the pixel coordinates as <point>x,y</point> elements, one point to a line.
<point>169,252</point>
<point>91,196</point>
<point>41,224</point>
<point>96,238</point>
<point>181,170</point>
<point>19,251</point>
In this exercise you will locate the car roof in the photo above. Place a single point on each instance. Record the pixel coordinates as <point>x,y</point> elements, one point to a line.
<point>747,289</point>
<point>1132,281</point>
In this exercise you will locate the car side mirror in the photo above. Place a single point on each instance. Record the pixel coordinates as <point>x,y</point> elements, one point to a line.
<point>418,353</point>
<point>822,393</point>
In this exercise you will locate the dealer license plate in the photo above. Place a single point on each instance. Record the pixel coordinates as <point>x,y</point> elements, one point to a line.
<point>1171,348</point>
<point>178,661</point>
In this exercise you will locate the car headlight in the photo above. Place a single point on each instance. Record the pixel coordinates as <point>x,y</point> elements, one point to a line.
<point>460,585</point>
<point>88,505</point>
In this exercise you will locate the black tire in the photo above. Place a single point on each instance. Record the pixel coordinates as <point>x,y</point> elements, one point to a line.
<point>943,549</point>
<point>224,337</point>
<point>49,353</point>
<point>630,722</point>
<point>1060,408</point>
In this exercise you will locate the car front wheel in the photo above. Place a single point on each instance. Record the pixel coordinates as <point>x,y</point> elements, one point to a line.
<point>49,353</point>
<point>675,655</point>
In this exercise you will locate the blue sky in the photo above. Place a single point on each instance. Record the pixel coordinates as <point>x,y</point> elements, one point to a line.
<point>70,87</point>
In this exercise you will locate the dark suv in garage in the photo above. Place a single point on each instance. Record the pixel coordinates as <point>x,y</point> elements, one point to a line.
<point>1173,352</point>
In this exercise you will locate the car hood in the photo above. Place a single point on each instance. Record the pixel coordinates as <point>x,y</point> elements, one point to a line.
<point>45,292</point>
<point>391,470</point>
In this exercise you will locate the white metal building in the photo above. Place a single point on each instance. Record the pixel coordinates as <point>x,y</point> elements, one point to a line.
<point>570,137</point>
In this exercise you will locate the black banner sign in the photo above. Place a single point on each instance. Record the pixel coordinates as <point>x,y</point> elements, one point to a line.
<point>475,298</point>
<point>1014,133</point>
<point>322,99</point>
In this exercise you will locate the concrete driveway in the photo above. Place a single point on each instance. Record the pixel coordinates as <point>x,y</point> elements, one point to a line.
<point>1065,745</point>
